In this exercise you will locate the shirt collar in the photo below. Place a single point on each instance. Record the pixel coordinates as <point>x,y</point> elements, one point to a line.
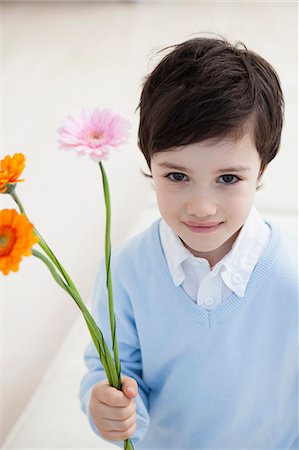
<point>239,262</point>
<point>175,252</point>
<point>235,267</point>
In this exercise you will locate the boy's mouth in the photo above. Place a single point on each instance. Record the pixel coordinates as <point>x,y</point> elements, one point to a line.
<point>203,227</point>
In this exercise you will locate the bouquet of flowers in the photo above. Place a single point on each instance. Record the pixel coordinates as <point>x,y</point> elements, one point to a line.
<point>93,134</point>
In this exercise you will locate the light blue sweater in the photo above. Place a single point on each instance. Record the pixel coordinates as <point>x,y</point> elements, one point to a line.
<point>224,379</point>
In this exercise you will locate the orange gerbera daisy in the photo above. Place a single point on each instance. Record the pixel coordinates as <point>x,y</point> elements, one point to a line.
<point>11,168</point>
<point>16,239</point>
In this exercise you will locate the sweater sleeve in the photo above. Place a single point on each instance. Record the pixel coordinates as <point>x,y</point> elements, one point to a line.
<point>129,351</point>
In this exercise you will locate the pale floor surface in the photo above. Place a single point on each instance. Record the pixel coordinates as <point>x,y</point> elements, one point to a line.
<point>53,419</point>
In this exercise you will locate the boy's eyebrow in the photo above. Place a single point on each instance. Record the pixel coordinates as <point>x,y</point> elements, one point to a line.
<point>169,165</point>
<point>233,169</point>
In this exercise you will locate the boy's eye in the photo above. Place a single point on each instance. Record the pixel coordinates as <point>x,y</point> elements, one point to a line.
<point>176,176</point>
<point>229,179</point>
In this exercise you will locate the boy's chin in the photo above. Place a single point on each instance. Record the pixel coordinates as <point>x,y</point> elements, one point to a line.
<point>210,250</point>
<point>197,247</point>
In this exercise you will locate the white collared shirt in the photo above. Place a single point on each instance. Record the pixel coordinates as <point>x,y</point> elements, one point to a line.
<point>210,287</point>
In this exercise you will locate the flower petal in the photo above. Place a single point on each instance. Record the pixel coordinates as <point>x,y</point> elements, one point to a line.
<point>16,239</point>
<point>11,168</point>
<point>93,133</point>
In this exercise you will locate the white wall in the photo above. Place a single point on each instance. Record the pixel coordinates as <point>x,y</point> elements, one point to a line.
<point>57,57</point>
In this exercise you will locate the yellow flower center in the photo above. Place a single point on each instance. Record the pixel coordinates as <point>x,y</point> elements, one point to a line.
<point>95,135</point>
<point>7,240</point>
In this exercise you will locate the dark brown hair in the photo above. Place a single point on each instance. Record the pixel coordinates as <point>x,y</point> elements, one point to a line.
<point>208,88</point>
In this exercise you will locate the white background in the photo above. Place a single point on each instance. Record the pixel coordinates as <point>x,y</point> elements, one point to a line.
<point>60,56</point>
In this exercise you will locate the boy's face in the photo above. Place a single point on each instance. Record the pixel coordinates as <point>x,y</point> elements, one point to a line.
<point>205,192</point>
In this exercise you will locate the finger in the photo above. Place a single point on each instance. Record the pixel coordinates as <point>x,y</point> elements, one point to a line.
<point>118,425</point>
<point>129,387</point>
<point>112,397</point>
<point>111,413</point>
<point>119,435</point>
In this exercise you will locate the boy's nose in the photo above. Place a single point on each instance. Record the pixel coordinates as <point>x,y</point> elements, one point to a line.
<point>201,206</point>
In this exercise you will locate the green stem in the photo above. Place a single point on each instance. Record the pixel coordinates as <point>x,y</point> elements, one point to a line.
<point>94,330</point>
<point>18,202</point>
<point>42,243</point>
<point>50,266</point>
<point>113,372</point>
<point>98,339</point>
<point>108,272</point>
<point>128,445</point>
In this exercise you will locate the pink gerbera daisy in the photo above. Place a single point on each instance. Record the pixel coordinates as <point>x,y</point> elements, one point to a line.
<point>94,133</point>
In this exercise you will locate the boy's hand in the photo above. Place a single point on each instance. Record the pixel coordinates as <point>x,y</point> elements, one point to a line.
<point>113,411</point>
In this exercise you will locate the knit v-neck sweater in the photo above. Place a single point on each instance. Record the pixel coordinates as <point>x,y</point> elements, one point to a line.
<point>220,379</point>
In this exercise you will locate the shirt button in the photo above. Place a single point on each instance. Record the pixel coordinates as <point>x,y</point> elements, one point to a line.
<point>209,301</point>
<point>237,278</point>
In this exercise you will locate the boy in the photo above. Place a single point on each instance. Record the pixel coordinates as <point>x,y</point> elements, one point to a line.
<point>206,297</point>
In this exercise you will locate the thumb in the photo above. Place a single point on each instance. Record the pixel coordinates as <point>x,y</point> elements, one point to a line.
<point>129,387</point>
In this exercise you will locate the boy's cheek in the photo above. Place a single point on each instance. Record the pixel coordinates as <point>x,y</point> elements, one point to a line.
<point>167,208</point>
<point>239,211</point>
